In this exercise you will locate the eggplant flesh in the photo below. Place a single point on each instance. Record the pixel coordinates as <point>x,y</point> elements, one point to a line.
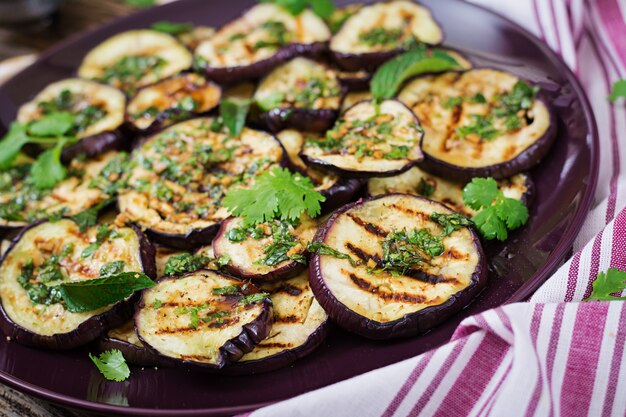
<point>181,174</point>
<point>379,299</point>
<point>299,326</point>
<point>300,94</point>
<point>262,38</point>
<point>133,59</point>
<point>177,98</point>
<point>418,182</point>
<point>377,32</point>
<point>98,112</point>
<point>191,321</point>
<point>84,188</point>
<point>49,253</point>
<point>195,36</point>
<point>370,139</point>
<point>465,133</point>
<point>267,251</point>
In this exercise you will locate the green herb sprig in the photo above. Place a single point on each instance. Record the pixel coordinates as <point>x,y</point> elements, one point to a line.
<point>619,90</point>
<point>607,285</point>
<point>497,214</point>
<point>111,365</point>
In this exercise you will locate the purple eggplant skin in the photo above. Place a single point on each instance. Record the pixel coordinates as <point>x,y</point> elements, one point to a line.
<point>232,75</point>
<point>91,328</point>
<point>365,62</point>
<point>252,334</point>
<point>287,271</point>
<point>411,324</point>
<point>133,354</point>
<point>94,145</point>
<point>279,360</point>
<point>341,193</point>
<point>162,120</point>
<point>193,239</point>
<point>346,173</point>
<point>311,120</point>
<point>526,160</point>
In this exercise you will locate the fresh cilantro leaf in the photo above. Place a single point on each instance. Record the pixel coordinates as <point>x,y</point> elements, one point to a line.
<point>490,224</point>
<point>392,74</point>
<point>513,212</point>
<point>277,194</point>
<point>53,124</point>
<point>619,90</point>
<point>47,170</point>
<point>498,213</point>
<point>111,365</point>
<point>89,217</point>
<point>173,28</point>
<point>607,284</point>
<point>234,113</point>
<point>92,294</point>
<point>480,193</point>
<point>12,144</point>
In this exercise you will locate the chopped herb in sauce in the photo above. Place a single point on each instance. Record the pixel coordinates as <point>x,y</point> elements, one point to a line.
<point>322,248</point>
<point>277,35</point>
<point>187,262</point>
<point>451,222</point>
<point>404,250</point>
<point>129,71</point>
<point>426,187</point>
<point>381,36</point>
<point>481,128</point>
<point>83,115</point>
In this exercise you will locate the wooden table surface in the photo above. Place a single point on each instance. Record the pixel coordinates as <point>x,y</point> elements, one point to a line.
<point>74,16</point>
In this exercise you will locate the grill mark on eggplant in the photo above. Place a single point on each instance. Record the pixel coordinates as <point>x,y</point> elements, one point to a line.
<point>288,289</point>
<point>409,273</point>
<point>287,319</point>
<point>370,227</point>
<point>196,358</point>
<point>275,345</point>
<point>421,215</point>
<point>189,329</point>
<point>387,296</point>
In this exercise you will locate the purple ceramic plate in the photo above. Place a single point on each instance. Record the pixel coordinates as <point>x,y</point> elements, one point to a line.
<point>565,187</point>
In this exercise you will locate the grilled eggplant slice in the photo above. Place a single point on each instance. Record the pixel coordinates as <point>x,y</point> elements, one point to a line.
<point>267,251</point>
<point>48,253</point>
<point>124,338</point>
<point>300,325</point>
<point>133,59</point>
<point>481,123</point>
<point>181,174</point>
<point>203,319</point>
<point>261,39</point>
<point>98,112</point>
<point>337,190</point>
<point>418,182</point>
<point>195,36</point>
<point>301,94</point>
<point>174,99</point>
<point>378,32</point>
<point>89,183</point>
<point>339,16</point>
<point>389,271</point>
<point>369,140</point>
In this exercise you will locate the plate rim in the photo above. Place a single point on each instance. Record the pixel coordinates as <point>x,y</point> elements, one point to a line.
<point>522,294</point>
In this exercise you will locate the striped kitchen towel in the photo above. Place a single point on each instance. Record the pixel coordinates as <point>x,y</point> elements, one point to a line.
<point>553,356</point>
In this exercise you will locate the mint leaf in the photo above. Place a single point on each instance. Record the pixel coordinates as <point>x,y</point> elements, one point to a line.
<point>92,294</point>
<point>619,90</point>
<point>322,8</point>
<point>607,284</point>
<point>111,365</point>
<point>53,124</point>
<point>173,28</point>
<point>234,113</point>
<point>480,192</point>
<point>47,171</point>
<point>392,74</point>
<point>12,144</point>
